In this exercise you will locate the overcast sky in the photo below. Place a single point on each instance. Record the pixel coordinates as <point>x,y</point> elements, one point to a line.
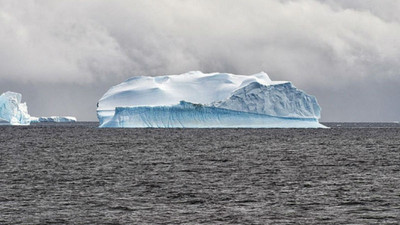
<point>64,55</point>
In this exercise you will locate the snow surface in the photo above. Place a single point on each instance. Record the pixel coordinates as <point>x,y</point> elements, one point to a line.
<point>247,94</point>
<point>54,119</point>
<point>12,111</point>
<point>194,86</point>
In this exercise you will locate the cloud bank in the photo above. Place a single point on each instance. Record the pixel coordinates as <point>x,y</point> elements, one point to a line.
<point>346,53</point>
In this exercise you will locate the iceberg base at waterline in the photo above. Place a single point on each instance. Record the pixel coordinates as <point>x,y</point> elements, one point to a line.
<point>188,115</point>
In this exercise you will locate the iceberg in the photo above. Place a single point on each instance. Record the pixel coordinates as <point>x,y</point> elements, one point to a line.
<point>200,100</point>
<point>12,111</point>
<point>53,119</point>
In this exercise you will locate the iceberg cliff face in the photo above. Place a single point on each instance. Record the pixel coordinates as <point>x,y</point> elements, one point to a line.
<point>12,111</point>
<point>209,100</point>
<point>188,115</point>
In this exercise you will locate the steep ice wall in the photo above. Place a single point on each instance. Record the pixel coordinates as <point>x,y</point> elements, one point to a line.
<point>12,111</point>
<point>188,115</point>
<point>282,100</point>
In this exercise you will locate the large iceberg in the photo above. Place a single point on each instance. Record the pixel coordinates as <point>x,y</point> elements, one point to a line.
<point>196,99</point>
<point>12,111</point>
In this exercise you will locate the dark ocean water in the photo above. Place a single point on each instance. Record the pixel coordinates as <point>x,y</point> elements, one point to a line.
<point>79,174</point>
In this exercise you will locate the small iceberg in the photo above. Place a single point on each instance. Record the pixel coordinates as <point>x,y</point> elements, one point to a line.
<point>12,111</point>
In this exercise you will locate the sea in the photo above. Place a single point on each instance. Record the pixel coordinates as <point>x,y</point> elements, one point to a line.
<point>76,173</point>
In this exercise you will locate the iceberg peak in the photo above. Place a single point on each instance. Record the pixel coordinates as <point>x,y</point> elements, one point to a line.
<point>263,75</point>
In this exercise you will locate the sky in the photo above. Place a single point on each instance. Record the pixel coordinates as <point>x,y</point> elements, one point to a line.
<point>64,55</point>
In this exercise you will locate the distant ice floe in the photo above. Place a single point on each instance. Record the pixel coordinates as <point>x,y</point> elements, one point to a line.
<point>197,99</point>
<point>53,119</point>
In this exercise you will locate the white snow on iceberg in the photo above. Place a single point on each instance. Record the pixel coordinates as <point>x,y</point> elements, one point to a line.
<point>12,111</point>
<point>196,99</point>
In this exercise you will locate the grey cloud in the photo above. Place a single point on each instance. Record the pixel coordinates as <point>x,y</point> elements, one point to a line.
<point>331,49</point>
<point>385,9</point>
